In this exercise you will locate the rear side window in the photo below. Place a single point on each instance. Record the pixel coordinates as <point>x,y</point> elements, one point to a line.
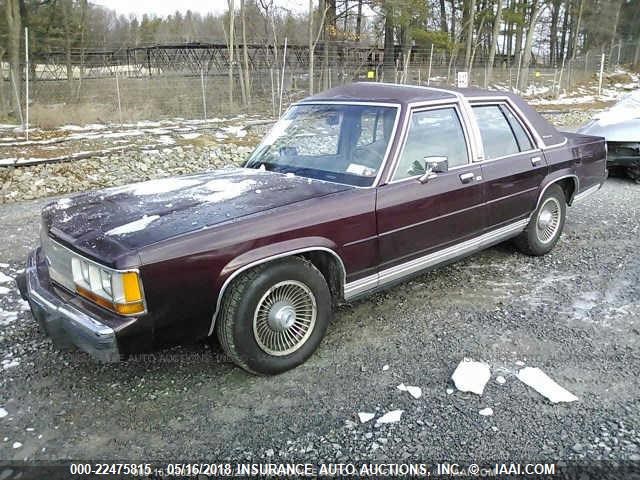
<point>524,142</point>
<point>502,134</point>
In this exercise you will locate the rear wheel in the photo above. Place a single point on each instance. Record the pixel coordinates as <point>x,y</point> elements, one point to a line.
<point>546,224</point>
<point>273,317</point>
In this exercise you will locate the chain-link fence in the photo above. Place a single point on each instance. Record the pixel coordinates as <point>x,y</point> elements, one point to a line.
<point>193,81</point>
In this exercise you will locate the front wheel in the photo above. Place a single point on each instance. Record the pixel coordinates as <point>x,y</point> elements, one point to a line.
<point>546,224</point>
<point>274,316</point>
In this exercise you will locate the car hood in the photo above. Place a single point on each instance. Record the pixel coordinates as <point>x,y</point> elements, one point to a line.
<point>620,123</point>
<point>116,222</point>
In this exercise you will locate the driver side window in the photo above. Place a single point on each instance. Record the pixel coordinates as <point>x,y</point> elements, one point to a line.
<point>432,133</point>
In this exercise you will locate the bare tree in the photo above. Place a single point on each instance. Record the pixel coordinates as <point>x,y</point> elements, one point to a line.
<point>470,26</point>
<point>232,17</point>
<point>574,45</point>
<point>247,81</point>
<point>536,10</point>
<point>313,42</point>
<point>494,40</point>
<point>3,99</point>
<point>14,24</point>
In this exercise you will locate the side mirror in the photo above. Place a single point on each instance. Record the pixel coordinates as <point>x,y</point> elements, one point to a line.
<point>433,165</point>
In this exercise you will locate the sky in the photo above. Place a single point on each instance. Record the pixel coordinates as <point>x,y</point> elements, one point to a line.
<point>162,8</point>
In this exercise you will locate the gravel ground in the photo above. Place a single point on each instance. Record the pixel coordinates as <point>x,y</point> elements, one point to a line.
<point>574,313</point>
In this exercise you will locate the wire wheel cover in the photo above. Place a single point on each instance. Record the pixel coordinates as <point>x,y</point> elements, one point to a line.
<point>284,318</point>
<point>548,221</point>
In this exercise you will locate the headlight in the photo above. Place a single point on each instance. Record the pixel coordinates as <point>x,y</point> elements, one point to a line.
<point>118,291</point>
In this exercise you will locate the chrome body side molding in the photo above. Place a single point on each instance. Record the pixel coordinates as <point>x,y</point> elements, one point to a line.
<point>582,195</point>
<point>398,272</point>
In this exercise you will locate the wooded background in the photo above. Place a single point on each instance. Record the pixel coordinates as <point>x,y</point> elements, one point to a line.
<point>87,60</point>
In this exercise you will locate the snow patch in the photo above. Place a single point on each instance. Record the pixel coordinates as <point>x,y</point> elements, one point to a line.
<point>16,445</point>
<point>390,417</point>
<point>7,363</point>
<point>5,278</point>
<point>190,136</point>
<point>486,412</point>
<point>135,226</point>
<point>4,290</point>
<point>3,412</point>
<point>385,368</point>
<point>226,190</point>
<point>544,385</point>
<point>365,416</point>
<point>7,317</point>
<point>415,392</point>
<point>501,380</point>
<point>471,376</point>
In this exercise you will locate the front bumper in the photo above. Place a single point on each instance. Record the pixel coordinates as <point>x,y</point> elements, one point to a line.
<point>67,325</point>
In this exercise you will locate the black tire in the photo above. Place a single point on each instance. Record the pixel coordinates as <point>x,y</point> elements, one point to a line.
<point>536,240</point>
<point>235,324</point>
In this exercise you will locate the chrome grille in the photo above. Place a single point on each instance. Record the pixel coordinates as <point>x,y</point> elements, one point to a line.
<point>59,262</point>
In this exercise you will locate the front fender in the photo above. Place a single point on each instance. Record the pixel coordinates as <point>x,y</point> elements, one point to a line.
<point>266,254</point>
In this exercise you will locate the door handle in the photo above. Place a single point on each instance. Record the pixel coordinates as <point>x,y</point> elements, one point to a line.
<point>466,177</point>
<point>535,160</point>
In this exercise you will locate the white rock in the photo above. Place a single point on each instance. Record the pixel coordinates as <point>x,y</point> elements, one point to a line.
<point>544,385</point>
<point>415,392</point>
<point>471,376</point>
<point>3,412</point>
<point>390,417</point>
<point>486,412</point>
<point>365,416</point>
<point>501,380</point>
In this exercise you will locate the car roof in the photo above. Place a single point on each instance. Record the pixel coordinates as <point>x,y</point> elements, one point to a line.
<point>382,93</point>
<point>404,95</point>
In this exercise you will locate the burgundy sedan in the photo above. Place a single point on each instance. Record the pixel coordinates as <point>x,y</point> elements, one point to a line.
<point>353,190</point>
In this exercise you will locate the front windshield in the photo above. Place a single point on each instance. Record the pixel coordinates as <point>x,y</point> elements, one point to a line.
<point>338,143</point>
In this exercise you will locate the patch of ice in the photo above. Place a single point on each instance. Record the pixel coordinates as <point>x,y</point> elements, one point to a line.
<point>415,392</point>
<point>135,226</point>
<point>365,416</point>
<point>3,412</point>
<point>390,417</point>
<point>544,385</point>
<point>501,380</point>
<point>5,278</point>
<point>486,412</point>
<point>471,376</point>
